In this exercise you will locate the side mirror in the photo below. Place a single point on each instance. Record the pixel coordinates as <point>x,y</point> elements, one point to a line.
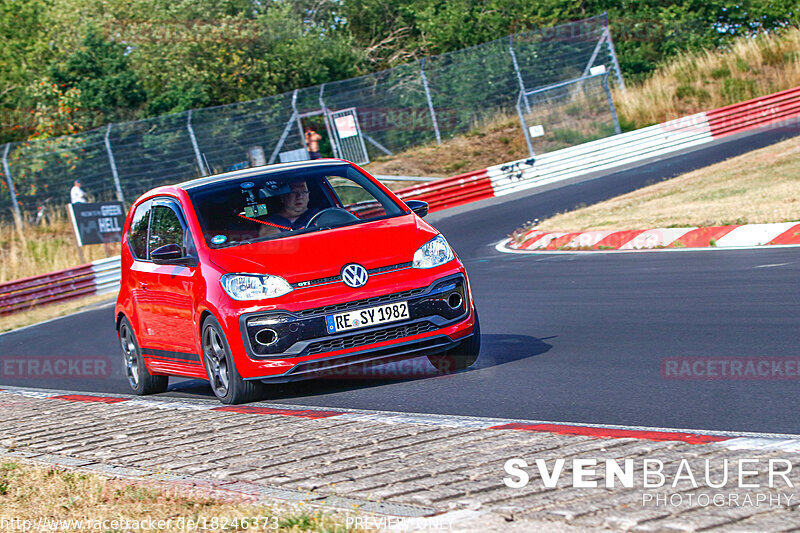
<point>418,206</point>
<point>169,254</point>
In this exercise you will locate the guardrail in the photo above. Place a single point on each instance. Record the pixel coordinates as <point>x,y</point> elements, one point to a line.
<point>98,277</point>
<point>103,276</point>
<point>608,153</point>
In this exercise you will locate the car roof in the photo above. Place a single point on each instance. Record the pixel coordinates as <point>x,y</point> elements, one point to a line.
<point>259,171</point>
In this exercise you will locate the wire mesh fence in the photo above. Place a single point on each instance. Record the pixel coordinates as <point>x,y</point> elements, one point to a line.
<point>567,113</point>
<point>396,109</point>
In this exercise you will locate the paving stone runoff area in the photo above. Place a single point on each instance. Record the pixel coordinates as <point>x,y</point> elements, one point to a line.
<point>430,473</point>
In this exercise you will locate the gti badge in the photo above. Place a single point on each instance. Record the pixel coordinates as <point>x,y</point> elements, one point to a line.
<point>354,275</point>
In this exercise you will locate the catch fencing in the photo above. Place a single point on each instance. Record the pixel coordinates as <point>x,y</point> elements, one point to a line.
<point>601,155</point>
<point>360,118</point>
<point>567,113</point>
<point>609,153</point>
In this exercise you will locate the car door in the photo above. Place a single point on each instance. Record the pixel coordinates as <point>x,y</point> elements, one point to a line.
<point>166,310</point>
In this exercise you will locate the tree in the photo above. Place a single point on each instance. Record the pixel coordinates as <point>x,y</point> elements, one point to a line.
<point>110,90</point>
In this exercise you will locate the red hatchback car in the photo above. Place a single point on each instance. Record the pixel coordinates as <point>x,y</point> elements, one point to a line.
<point>285,272</point>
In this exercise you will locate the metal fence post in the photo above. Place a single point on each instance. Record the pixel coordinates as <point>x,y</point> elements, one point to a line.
<point>297,119</point>
<point>113,165</point>
<point>612,53</point>
<point>594,55</point>
<point>516,69</point>
<point>326,116</point>
<point>611,104</point>
<point>525,130</point>
<point>14,204</point>
<point>203,169</point>
<point>430,101</point>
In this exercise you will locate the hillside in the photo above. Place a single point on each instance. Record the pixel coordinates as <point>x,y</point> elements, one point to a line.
<point>762,186</point>
<point>689,84</point>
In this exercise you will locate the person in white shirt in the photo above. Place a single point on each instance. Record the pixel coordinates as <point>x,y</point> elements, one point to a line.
<point>77,194</point>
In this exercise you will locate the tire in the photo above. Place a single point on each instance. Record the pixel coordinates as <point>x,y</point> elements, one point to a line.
<point>227,384</point>
<point>139,378</point>
<point>462,356</point>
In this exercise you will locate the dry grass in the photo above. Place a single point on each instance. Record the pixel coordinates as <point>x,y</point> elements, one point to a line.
<point>35,492</point>
<point>690,84</point>
<point>490,143</point>
<point>699,81</point>
<point>759,187</point>
<point>42,248</point>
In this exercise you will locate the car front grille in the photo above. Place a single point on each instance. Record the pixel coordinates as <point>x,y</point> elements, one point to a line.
<point>337,308</point>
<point>372,337</point>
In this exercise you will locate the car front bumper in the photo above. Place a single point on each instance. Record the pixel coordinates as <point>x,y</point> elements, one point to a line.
<point>304,348</point>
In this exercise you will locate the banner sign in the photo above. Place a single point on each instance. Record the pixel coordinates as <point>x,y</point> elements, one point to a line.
<point>97,223</point>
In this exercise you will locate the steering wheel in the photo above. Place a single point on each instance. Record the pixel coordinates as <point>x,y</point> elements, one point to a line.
<point>332,216</point>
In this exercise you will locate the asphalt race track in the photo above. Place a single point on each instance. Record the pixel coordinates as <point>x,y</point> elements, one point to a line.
<point>568,338</point>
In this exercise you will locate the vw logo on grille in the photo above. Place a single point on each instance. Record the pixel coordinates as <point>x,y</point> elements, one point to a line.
<point>354,275</point>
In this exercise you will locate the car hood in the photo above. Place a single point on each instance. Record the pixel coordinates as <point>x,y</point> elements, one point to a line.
<point>320,254</point>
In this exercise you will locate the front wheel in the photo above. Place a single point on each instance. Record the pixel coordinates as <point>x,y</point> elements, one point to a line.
<point>227,384</point>
<point>462,356</point>
<point>139,378</point>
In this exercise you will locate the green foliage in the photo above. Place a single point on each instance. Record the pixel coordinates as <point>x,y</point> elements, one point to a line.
<point>736,90</point>
<point>721,72</point>
<point>140,58</point>
<point>742,65</point>
<point>100,70</point>
<point>686,92</point>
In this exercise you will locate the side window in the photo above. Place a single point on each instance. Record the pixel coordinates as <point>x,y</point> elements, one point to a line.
<point>137,238</point>
<point>165,228</point>
<point>356,198</point>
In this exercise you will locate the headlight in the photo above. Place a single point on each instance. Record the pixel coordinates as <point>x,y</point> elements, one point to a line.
<point>433,253</point>
<point>254,286</point>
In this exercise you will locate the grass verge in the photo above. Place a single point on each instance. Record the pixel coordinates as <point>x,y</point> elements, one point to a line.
<point>762,186</point>
<point>56,496</point>
<point>39,249</point>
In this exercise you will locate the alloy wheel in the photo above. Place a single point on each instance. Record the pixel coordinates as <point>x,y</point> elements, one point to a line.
<point>216,361</point>
<point>130,355</point>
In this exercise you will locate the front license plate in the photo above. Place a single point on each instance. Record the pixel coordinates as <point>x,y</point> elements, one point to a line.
<point>367,317</point>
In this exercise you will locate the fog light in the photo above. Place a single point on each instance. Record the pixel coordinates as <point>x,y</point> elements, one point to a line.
<point>266,337</point>
<point>454,301</point>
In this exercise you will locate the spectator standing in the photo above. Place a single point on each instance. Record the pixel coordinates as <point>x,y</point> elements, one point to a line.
<point>77,195</point>
<point>312,143</point>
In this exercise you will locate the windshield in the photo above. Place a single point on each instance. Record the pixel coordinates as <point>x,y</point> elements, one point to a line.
<point>282,204</point>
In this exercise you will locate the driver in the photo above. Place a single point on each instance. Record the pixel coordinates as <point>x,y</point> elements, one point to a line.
<point>293,213</point>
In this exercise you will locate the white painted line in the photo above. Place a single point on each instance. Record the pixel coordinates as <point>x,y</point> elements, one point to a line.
<point>502,248</point>
<point>188,405</point>
<point>772,265</point>
<point>749,443</point>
